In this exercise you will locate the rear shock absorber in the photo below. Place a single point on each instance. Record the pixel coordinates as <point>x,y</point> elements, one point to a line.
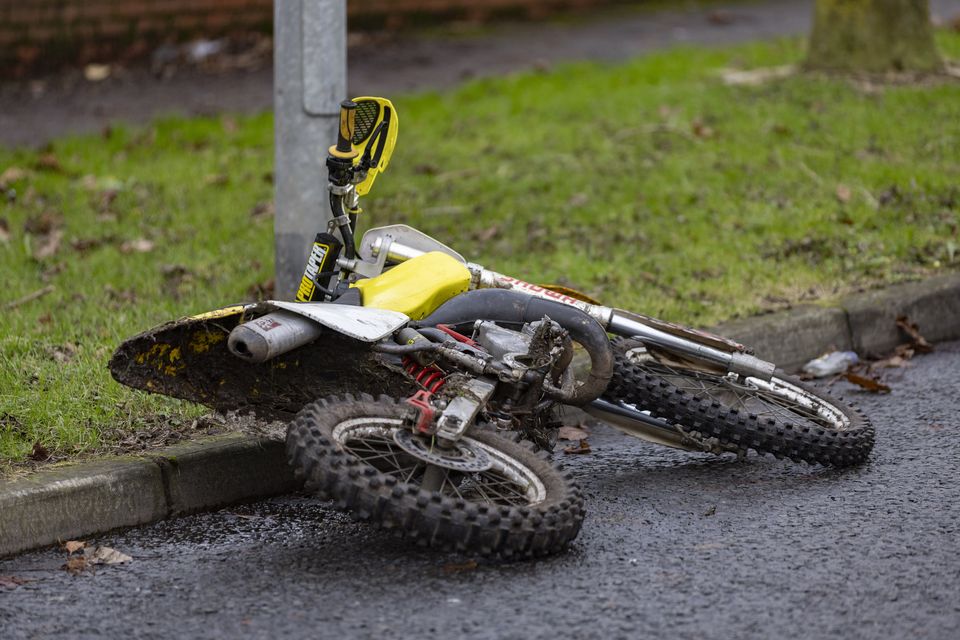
<point>430,378</point>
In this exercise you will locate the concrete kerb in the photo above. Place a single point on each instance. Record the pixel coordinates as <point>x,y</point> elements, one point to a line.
<point>934,305</point>
<point>865,323</point>
<point>793,337</point>
<point>64,503</point>
<point>84,499</point>
<point>91,498</point>
<point>224,471</point>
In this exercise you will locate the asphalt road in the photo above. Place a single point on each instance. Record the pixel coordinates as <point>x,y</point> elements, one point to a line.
<point>675,545</point>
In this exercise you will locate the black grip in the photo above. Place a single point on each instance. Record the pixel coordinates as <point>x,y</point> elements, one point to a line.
<point>348,121</point>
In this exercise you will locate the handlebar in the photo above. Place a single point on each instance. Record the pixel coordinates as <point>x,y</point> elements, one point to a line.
<point>348,122</point>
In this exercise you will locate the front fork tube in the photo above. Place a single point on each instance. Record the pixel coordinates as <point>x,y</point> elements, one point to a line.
<point>623,323</point>
<point>433,478</point>
<point>737,362</point>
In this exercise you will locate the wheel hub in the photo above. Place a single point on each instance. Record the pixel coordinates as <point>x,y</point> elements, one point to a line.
<point>460,456</point>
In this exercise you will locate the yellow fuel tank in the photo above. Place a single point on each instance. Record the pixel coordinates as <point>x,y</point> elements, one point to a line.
<point>416,287</point>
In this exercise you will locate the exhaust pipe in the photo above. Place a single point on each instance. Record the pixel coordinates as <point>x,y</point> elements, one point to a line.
<point>272,335</point>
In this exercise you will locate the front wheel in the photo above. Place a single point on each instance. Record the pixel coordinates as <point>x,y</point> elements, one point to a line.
<point>783,416</point>
<point>518,505</point>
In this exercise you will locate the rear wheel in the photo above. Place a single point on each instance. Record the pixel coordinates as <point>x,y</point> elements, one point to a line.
<point>487,494</point>
<point>783,416</point>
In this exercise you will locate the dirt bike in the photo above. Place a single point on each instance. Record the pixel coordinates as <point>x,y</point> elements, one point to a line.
<point>441,383</point>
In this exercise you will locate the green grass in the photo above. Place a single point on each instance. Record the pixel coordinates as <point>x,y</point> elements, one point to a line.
<point>649,184</point>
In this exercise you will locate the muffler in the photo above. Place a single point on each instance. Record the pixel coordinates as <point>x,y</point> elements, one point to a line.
<point>272,335</point>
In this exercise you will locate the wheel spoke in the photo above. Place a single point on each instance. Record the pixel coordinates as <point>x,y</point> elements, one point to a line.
<point>483,494</point>
<point>374,444</point>
<point>413,471</point>
<point>453,485</point>
<point>491,487</point>
<point>390,456</point>
<point>747,397</point>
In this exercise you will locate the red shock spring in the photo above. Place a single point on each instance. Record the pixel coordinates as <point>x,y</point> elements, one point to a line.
<point>430,378</point>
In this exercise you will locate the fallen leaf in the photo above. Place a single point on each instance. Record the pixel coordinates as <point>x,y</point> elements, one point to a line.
<point>488,234</point>
<point>699,129</point>
<point>900,358</point>
<point>217,180</point>
<point>48,162</point>
<point>140,245</point>
<point>48,245</point>
<point>262,290</point>
<point>905,351</point>
<point>62,353</point>
<point>75,565</point>
<point>107,556</point>
<point>262,210</point>
<point>174,277</point>
<point>26,54</point>
<point>53,270</point>
<point>43,224</point>
<point>90,182</point>
<point>126,296</point>
<point>4,231</point>
<point>781,129</point>
<point>843,193</point>
<point>460,567</point>
<point>919,343</point>
<point>11,582</point>
<point>84,245</point>
<point>96,72</point>
<point>174,271</point>
<point>580,448</point>
<point>721,17</point>
<point>11,175</point>
<point>39,453</point>
<point>426,169</point>
<point>578,200</point>
<point>72,546</point>
<point>105,200</point>
<point>893,362</point>
<point>711,511</point>
<point>871,385</point>
<point>572,433</point>
<point>755,77</point>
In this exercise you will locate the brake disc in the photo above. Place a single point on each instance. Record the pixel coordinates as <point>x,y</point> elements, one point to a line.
<point>462,455</point>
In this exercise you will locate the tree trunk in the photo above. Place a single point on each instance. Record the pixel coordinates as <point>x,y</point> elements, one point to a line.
<point>873,36</point>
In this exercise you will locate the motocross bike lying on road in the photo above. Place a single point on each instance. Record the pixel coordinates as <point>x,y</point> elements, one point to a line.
<point>441,384</point>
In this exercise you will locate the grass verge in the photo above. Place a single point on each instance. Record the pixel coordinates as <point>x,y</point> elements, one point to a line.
<point>650,185</point>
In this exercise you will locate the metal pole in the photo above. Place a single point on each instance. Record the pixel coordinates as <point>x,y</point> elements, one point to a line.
<point>310,80</point>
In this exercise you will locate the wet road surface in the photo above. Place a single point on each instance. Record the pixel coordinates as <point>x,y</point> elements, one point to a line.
<point>674,545</point>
